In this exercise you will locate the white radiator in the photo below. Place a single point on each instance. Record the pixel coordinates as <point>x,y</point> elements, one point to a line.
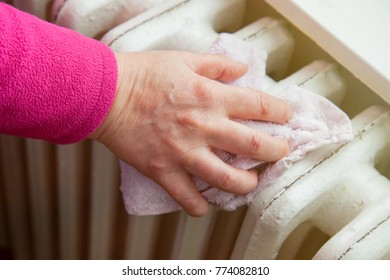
<point>63,202</point>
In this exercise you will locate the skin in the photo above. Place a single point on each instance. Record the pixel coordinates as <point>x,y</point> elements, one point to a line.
<point>171,112</point>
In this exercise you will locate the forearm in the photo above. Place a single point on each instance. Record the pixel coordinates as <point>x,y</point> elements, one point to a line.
<point>55,84</point>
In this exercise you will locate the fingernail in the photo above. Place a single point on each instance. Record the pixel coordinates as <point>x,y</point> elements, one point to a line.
<point>244,66</point>
<point>254,171</point>
<point>286,147</point>
<point>201,210</point>
<point>287,113</point>
<point>283,148</point>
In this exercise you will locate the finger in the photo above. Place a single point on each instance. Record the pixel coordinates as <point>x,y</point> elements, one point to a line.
<point>218,67</point>
<point>207,166</point>
<point>245,103</point>
<point>239,139</point>
<point>181,188</point>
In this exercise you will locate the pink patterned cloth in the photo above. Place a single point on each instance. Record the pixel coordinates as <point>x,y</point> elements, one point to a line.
<point>55,84</point>
<point>315,122</point>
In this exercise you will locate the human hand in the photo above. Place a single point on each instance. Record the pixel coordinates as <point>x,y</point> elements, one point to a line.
<point>170,114</point>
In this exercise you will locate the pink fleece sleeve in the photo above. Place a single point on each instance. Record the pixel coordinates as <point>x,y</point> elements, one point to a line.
<point>55,84</point>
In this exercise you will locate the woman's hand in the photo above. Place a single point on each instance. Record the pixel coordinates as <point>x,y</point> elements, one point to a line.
<point>170,114</point>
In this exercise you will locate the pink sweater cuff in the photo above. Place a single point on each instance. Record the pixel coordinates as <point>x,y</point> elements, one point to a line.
<point>55,84</point>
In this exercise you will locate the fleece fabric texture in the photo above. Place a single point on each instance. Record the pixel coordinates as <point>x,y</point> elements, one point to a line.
<point>55,84</point>
<point>315,122</point>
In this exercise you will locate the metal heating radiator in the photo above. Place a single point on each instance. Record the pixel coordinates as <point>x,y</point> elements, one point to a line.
<point>63,202</point>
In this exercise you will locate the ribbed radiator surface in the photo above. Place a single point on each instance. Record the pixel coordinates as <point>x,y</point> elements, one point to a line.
<point>63,202</point>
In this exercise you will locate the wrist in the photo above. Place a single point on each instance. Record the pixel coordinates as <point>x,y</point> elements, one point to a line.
<point>117,105</point>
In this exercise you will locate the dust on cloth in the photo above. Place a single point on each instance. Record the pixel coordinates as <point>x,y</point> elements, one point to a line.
<point>315,122</point>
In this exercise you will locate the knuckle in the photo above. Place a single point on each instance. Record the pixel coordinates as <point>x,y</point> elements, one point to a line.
<point>255,143</point>
<point>227,181</point>
<point>201,90</point>
<point>157,166</point>
<point>188,119</point>
<point>176,193</point>
<point>264,105</point>
<point>222,68</point>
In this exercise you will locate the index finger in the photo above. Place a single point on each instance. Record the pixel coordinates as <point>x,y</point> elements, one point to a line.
<point>245,103</point>
<point>217,67</point>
